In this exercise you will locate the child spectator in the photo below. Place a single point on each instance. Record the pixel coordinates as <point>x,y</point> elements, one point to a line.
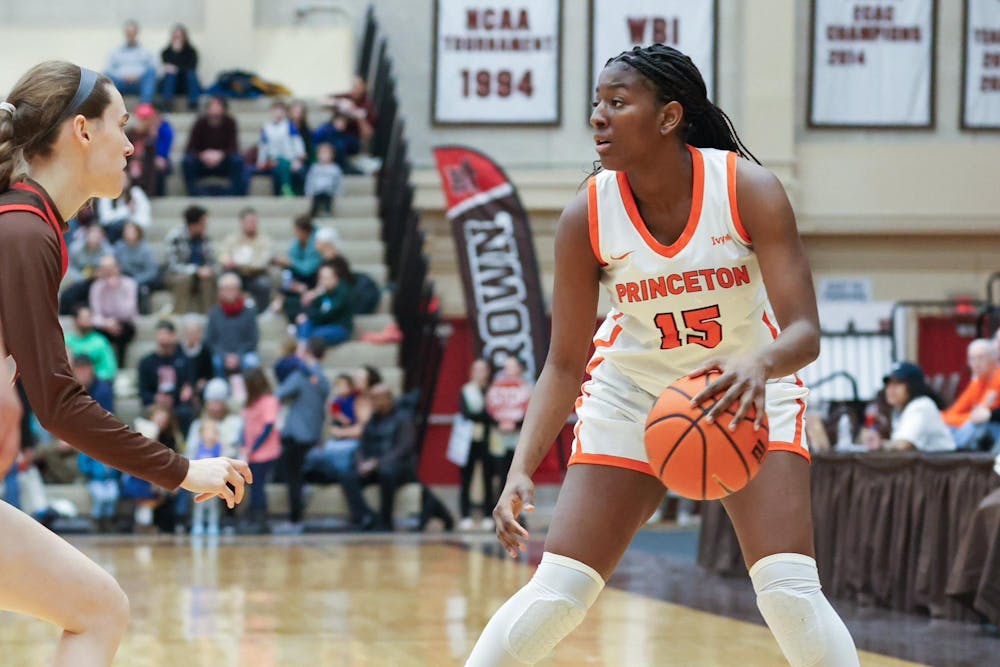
<point>306,390</point>
<point>334,132</point>
<point>328,311</point>
<point>324,181</point>
<point>180,68</point>
<point>114,301</point>
<point>191,263</point>
<point>288,361</point>
<point>342,406</point>
<point>281,150</point>
<point>261,445</point>
<point>205,516</point>
<point>132,206</point>
<point>131,67</point>
<point>102,486</point>
<point>232,332</point>
<point>84,340</point>
<point>152,137</point>
<point>213,150</point>
<point>136,260</point>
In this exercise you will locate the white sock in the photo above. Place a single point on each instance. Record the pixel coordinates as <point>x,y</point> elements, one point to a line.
<point>536,618</point>
<point>808,630</point>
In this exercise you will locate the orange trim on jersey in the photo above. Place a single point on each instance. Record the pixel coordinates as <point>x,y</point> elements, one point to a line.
<point>595,231</point>
<point>594,363</point>
<point>697,195</point>
<point>734,209</point>
<point>779,447</point>
<point>612,461</point>
<point>773,329</point>
<point>578,446</point>
<point>611,339</point>
<point>799,418</point>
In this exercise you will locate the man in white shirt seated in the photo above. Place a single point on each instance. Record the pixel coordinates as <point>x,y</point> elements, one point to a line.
<point>916,414</point>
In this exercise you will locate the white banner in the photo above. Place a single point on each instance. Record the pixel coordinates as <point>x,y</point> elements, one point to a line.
<point>981,101</point>
<point>497,63</point>
<point>872,63</point>
<point>687,25</point>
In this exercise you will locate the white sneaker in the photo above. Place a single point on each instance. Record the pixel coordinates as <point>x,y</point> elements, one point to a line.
<point>466,524</point>
<point>486,524</point>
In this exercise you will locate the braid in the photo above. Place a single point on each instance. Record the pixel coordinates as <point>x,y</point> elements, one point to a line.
<point>675,77</point>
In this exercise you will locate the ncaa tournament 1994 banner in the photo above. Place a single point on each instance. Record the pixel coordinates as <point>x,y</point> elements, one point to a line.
<point>496,256</point>
<point>981,90</point>
<point>496,62</point>
<point>687,25</point>
<point>872,64</point>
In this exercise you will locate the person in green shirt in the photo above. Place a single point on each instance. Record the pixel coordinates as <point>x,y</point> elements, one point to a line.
<point>84,340</point>
<point>328,312</point>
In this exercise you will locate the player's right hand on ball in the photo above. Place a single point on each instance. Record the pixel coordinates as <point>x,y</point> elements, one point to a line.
<point>518,496</point>
<point>223,477</point>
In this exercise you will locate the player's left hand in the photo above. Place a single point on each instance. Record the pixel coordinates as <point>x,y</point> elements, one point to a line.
<point>743,379</point>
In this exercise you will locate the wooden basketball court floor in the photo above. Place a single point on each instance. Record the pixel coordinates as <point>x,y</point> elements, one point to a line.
<point>360,601</point>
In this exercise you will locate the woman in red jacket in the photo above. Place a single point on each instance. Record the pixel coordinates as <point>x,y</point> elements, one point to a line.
<point>62,141</point>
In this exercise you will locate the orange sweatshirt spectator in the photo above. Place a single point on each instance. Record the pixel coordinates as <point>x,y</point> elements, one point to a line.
<point>970,412</point>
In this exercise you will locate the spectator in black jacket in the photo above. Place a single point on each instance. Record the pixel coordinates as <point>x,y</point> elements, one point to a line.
<point>472,404</point>
<point>213,150</point>
<point>180,65</point>
<point>198,354</point>
<point>232,332</point>
<point>165,376</point>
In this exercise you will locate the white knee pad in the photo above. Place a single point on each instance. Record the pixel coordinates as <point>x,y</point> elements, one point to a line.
<point>530,624</point>
<point>808,630</point>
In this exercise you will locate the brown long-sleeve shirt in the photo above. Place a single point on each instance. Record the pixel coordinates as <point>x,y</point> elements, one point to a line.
<point>30,273</point>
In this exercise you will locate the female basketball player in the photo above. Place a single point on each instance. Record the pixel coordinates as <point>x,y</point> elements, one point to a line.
<point>63,128</point>
<point>675,208</point>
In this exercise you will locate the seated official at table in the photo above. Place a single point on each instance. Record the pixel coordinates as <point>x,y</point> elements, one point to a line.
<point>916,414</point>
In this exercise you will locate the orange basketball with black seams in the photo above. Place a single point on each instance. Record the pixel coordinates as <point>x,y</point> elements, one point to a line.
<point>697,459</point>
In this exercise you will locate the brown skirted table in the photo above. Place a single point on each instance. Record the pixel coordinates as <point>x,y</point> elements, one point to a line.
<point>890,528</point>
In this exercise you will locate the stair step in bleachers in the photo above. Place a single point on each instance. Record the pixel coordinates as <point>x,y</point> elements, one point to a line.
<point>351,230</point>
<point>172,208</point>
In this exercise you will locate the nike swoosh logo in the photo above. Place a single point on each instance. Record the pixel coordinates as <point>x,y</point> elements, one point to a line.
<point>623,256</point>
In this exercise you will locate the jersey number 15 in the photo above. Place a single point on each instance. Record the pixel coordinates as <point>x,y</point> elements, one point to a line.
<point>701,325</point>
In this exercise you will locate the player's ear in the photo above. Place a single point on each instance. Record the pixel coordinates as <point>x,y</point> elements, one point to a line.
<point>81,128</point>
<point>671,116</point>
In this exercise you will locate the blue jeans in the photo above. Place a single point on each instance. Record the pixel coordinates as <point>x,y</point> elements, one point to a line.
<point>968,435</point>
<point>333,334</point>
<point>168,87</point>
<point>258,490</point>
<point>144,87</point>
<point>232,168</point>
<point>103,498</point>
<point>247,361</point>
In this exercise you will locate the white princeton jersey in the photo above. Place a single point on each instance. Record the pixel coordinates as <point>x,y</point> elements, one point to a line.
<point>676,306</point>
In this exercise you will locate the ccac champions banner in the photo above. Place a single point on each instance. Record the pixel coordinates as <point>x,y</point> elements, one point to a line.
<point>981,90</point>
<point>497,62</point>
<point>687,25</point>
<point>496,256</point>
<point>872,64</point>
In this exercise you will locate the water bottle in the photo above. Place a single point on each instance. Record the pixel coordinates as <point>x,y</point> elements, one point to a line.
<point>844,435</point>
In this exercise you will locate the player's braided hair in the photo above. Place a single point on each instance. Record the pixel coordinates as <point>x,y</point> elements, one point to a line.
<point>676,78</point>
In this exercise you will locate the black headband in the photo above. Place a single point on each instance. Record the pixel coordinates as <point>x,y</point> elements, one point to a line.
<point>88,80</point>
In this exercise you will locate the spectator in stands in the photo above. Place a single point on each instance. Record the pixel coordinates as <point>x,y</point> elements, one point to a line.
<point>288,361</point>
<point>328,463</point>
<point>249,253</point>
<point>305,390</point>
<point>386,456</point>
<point>298,112</point>
<point>916,417</point>
<point>328,243</point>
<point>131,206</point>
<point>85,255</point>
<point>359,110</point>
<point>206,445</point>
<point>132,67</point>
<point>507,403</point>
<point>199,355</point>
<point>165,376</point>
<point>232,332</point>
<point>334,132</point>
<point>299,267</point>
<point>328,311</point>
<point>58,460</point>
<point>180,69</point>
<point>155,508</point>
<point>472,406</point>
<point>324,181</point>
<point>84,340</point>
<point>261,445</point>
<point>191,263</point>
<point>969,416</point>
<point>114,302</point>
<point>152,138</point>
<point>365,293</point>
<point>102,487</point>
<point>213,150</point>
<point>215,406</point>
<point>135,260</point>
<point>282,151</point>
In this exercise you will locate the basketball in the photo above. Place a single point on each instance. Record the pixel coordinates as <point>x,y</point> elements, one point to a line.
<point>699,460</point>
